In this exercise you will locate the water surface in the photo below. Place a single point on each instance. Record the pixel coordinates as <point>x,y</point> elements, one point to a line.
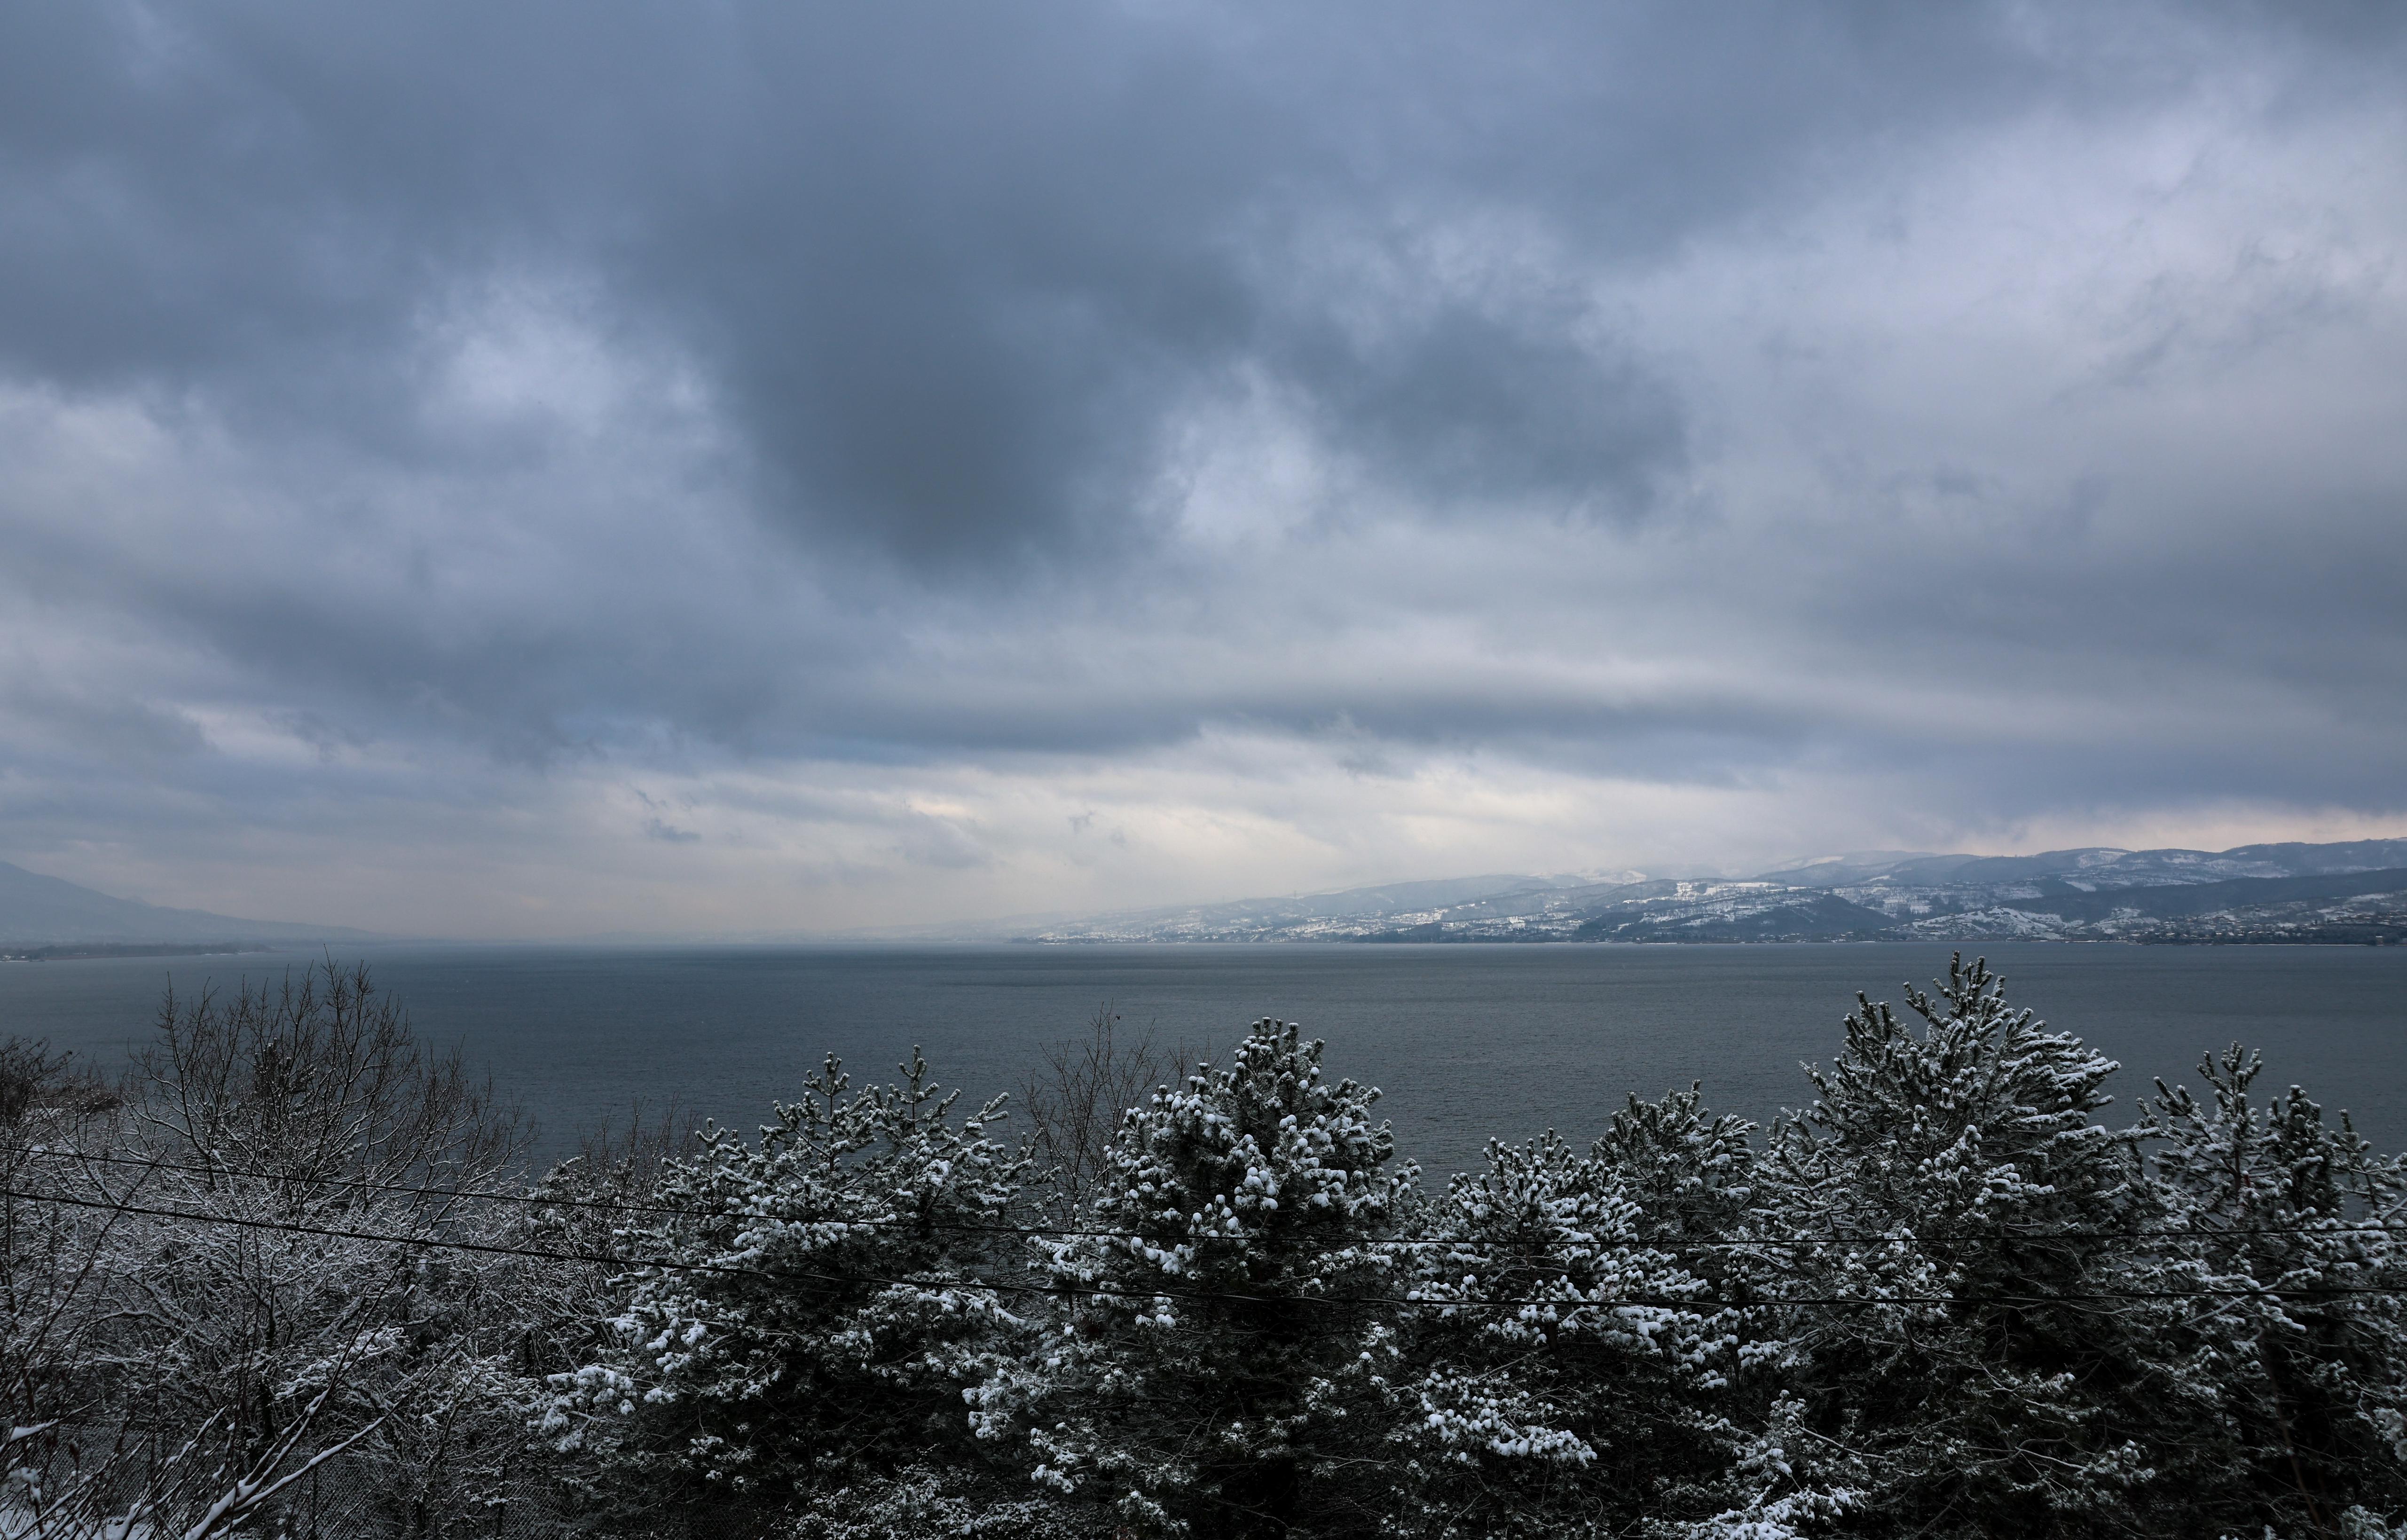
<point>1468,1042</point>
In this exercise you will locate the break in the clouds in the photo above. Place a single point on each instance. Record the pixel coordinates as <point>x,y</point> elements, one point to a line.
<point>552,469</point>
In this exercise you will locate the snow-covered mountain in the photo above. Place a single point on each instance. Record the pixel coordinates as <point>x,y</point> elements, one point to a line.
<point>2355,892</point>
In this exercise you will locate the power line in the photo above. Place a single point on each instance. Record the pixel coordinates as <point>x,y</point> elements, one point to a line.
<point>787,1275</point>
<point>414,1190</point>
<point>1677,1302</point>
<point>605,1206</point>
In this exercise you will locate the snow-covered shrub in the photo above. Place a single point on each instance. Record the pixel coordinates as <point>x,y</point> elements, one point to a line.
<point>804,1319</point>
<point>1211,1369</point>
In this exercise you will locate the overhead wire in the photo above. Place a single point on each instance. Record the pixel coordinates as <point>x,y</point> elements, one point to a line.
<point>538,1200</point>
<point>1061,1286</point>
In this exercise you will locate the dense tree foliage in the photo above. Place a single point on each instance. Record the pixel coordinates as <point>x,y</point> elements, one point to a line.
<point>1953,1171</point>
<point>1944,1298</point>
<point>2287,1400</point>
<point>813,1322</point>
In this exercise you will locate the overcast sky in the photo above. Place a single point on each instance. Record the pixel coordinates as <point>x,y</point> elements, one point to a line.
<point>548,469</point>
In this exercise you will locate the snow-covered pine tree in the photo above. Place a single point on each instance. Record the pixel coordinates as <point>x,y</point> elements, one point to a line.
<point>802,1320</point>
<point>1208,1373</point>
<point>1954,1169</point>
<point>1690,1173</point>
<point>2289,1378</point>
<point>1589,1405</point>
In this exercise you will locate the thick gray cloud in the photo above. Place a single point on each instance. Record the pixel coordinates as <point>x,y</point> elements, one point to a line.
<point>838,450</point>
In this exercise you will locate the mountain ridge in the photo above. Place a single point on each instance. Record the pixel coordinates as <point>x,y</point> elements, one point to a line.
<point>2353,891</point>
<point>38,911</point>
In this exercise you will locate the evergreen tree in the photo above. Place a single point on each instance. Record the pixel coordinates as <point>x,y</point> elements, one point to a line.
<point>804,1317</point>
<point>2288,1371</point>
<point>1690,1174</point>
<point>1944,1300</point>
<point>1212,1371</point>
<point>1953,1170</point>
<point>1566,1366</point>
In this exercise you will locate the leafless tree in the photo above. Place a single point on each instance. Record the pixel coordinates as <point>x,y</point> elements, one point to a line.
<point>52,1256</point>
<point>252,1246</point>
<point>1083,1088</point>
<point>81,1460</point>
<point>319,1080</point>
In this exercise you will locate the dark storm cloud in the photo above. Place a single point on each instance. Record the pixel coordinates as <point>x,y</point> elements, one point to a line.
<point>952,269</point>
<point>1468,409</point>
<point>1698,396</point>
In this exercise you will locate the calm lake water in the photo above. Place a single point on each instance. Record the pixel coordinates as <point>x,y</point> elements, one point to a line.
<point>1468,1042</point>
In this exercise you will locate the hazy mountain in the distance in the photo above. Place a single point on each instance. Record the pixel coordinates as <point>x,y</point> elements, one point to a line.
<point>38,910</point>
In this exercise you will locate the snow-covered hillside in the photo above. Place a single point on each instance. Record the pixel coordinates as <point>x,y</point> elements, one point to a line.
<point>2354,892</point>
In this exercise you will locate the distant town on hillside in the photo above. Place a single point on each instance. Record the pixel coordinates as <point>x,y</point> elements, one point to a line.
<point>2349,893</point>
